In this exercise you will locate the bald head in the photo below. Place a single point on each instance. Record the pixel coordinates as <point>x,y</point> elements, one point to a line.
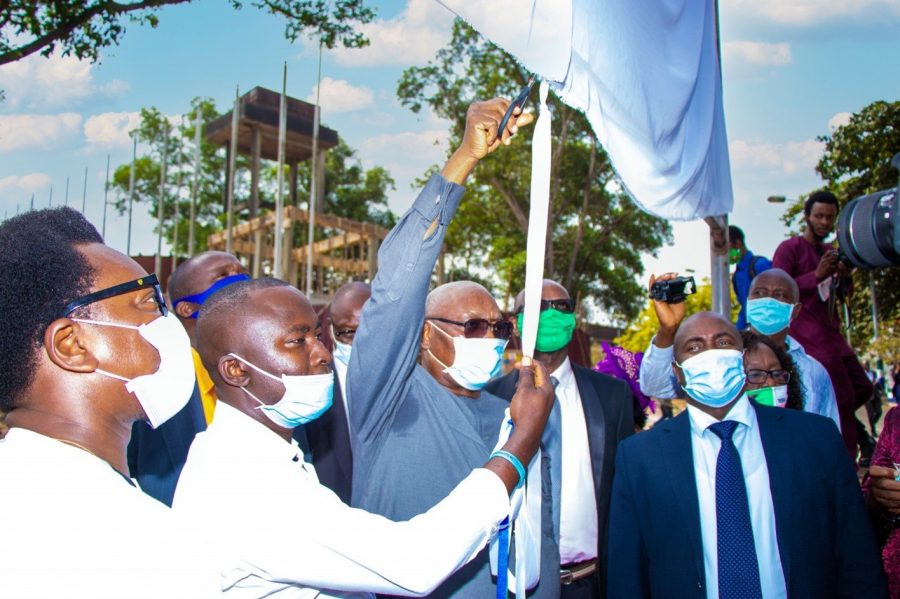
<point>346,308</point>
<point>550,290</point>
<point>228,318</point>
<point>461,300</point>
<point>705,331</point>
<point>777,284</point>
<point>197,274</point>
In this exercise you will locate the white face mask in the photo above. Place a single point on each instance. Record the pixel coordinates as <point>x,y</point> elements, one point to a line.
<point>476,360</point>
<point>306,397</point>
<point>770,396</point>
<point>163,393</point>
<point>341,351</point>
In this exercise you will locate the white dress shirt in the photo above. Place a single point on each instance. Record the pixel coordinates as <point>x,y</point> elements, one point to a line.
<point>293,536</point>
<point>819,392</point>
<point>74,527</point>
<point>705,447</point>
<point>578,509</point>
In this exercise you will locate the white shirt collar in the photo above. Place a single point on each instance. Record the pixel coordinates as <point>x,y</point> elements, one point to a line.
<point>564,374</point>
<point>741,412</point>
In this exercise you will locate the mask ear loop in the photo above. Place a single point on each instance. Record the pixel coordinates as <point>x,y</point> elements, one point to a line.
<point>261,371</point>
<point>429,352</point>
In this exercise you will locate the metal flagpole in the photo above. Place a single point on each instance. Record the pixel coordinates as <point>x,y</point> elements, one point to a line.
<point>175,215</point>
<point>32,202</point>
<point>162,201</point>
<point>196,183</point>
<point>105,199</point>
<point>313,181</point>
<point>50,201</point>
<point>131,194</point>
<point>235,116</point>
<point>277,271</point>
<point>66,201</point>
<point>84,192</point>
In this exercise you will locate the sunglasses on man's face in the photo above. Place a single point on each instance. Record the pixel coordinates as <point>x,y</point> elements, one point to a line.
<point>563,305</point>
<point>478,327</point>
<point>122,289</point>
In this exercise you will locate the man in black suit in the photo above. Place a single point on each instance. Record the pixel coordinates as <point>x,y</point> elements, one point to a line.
<point>735,499</point>
<point>329,435</point>
<point>593,412</point>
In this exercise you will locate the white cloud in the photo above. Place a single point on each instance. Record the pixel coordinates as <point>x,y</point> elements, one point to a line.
<point>813,12</point>
<point>110,129</point>
<point>337,95</point>
<point>412,37</point>
<point>838,120</point>
<point>23,131</point>
<point>406,156</point>
<point>34,182</point>
<point>757,54</point>
<point>786,158</point>
<point>38,83</point>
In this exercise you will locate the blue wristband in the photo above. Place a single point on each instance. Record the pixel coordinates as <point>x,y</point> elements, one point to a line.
<point>515,463</point>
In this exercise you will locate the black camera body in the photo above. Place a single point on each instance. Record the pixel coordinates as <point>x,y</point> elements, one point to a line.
<point>868,230</point>
<point>673,291</point>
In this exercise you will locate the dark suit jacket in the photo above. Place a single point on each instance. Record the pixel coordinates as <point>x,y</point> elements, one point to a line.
<point>824,537</point>
<point>329,442</point>
<point>156,457</point>
<point>608,411</point>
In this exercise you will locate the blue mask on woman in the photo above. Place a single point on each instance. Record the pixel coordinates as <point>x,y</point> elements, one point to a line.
<point>768,315</point>
<point>715,377</point>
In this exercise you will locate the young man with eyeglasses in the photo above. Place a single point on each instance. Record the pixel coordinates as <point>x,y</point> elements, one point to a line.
<point>592,413</point>
<point>771,306</point>
<point>87,349</point>
<point>329,435</point>
<point>418,429</point>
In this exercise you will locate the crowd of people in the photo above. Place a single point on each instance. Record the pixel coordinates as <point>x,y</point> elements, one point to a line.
<point>207,441</point>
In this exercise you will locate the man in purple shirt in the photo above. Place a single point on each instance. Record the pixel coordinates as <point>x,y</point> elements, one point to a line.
<point>821,278</point>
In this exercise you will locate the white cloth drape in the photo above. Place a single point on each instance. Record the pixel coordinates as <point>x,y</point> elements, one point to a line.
<point>647,75</point>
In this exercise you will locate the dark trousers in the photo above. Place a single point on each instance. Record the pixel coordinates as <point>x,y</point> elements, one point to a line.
<point>586,588</point>
<point>853,389</point>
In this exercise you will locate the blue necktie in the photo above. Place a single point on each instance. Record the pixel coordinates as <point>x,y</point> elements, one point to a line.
<point>552,443</point>
<point>738,564</point>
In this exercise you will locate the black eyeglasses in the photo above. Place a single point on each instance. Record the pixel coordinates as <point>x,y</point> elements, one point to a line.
<point>478,327</point>
<point>121,289</point>
<point>563,305</point>
<point>758,377</point>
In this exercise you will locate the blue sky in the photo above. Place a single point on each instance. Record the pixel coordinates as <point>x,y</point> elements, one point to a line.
<point>792,69</point>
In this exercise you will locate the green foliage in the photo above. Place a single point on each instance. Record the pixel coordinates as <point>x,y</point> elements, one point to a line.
<point>350,190</point>
<point>642,329</point>
<point>597,233</point>
<point>82,28</point>
<point>857,162</point>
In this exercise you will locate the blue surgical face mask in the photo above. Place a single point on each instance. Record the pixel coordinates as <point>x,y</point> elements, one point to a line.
<point>768,315</point>
<point>306,397</point>
<point>476,360</point>
<point>200,298</point>
<point>714,377</point>
<point>341,351</point>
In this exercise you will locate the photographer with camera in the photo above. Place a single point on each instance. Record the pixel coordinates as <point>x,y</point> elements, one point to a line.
<point>823,279</point>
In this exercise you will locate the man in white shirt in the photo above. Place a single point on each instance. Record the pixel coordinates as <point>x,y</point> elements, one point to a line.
<point>86,349</point>
<point>259,341</point>
<point>736,499</point>
<point>774,287</point>
<point>595,412</point>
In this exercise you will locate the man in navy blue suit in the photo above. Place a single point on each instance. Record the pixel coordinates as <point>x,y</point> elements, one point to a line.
<point>734,499</point>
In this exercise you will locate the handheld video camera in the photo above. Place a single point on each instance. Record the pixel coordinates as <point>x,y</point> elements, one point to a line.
<point>673,291</point>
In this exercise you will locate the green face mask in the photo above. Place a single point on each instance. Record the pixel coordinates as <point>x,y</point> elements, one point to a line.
<point>555,329</point>
<point>734,255</point>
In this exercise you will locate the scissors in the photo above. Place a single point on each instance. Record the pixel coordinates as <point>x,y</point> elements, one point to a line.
<point>518,102</point>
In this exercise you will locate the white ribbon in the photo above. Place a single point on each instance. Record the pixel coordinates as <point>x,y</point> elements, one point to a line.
<point>525,516</point>
<point>537,224</point>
